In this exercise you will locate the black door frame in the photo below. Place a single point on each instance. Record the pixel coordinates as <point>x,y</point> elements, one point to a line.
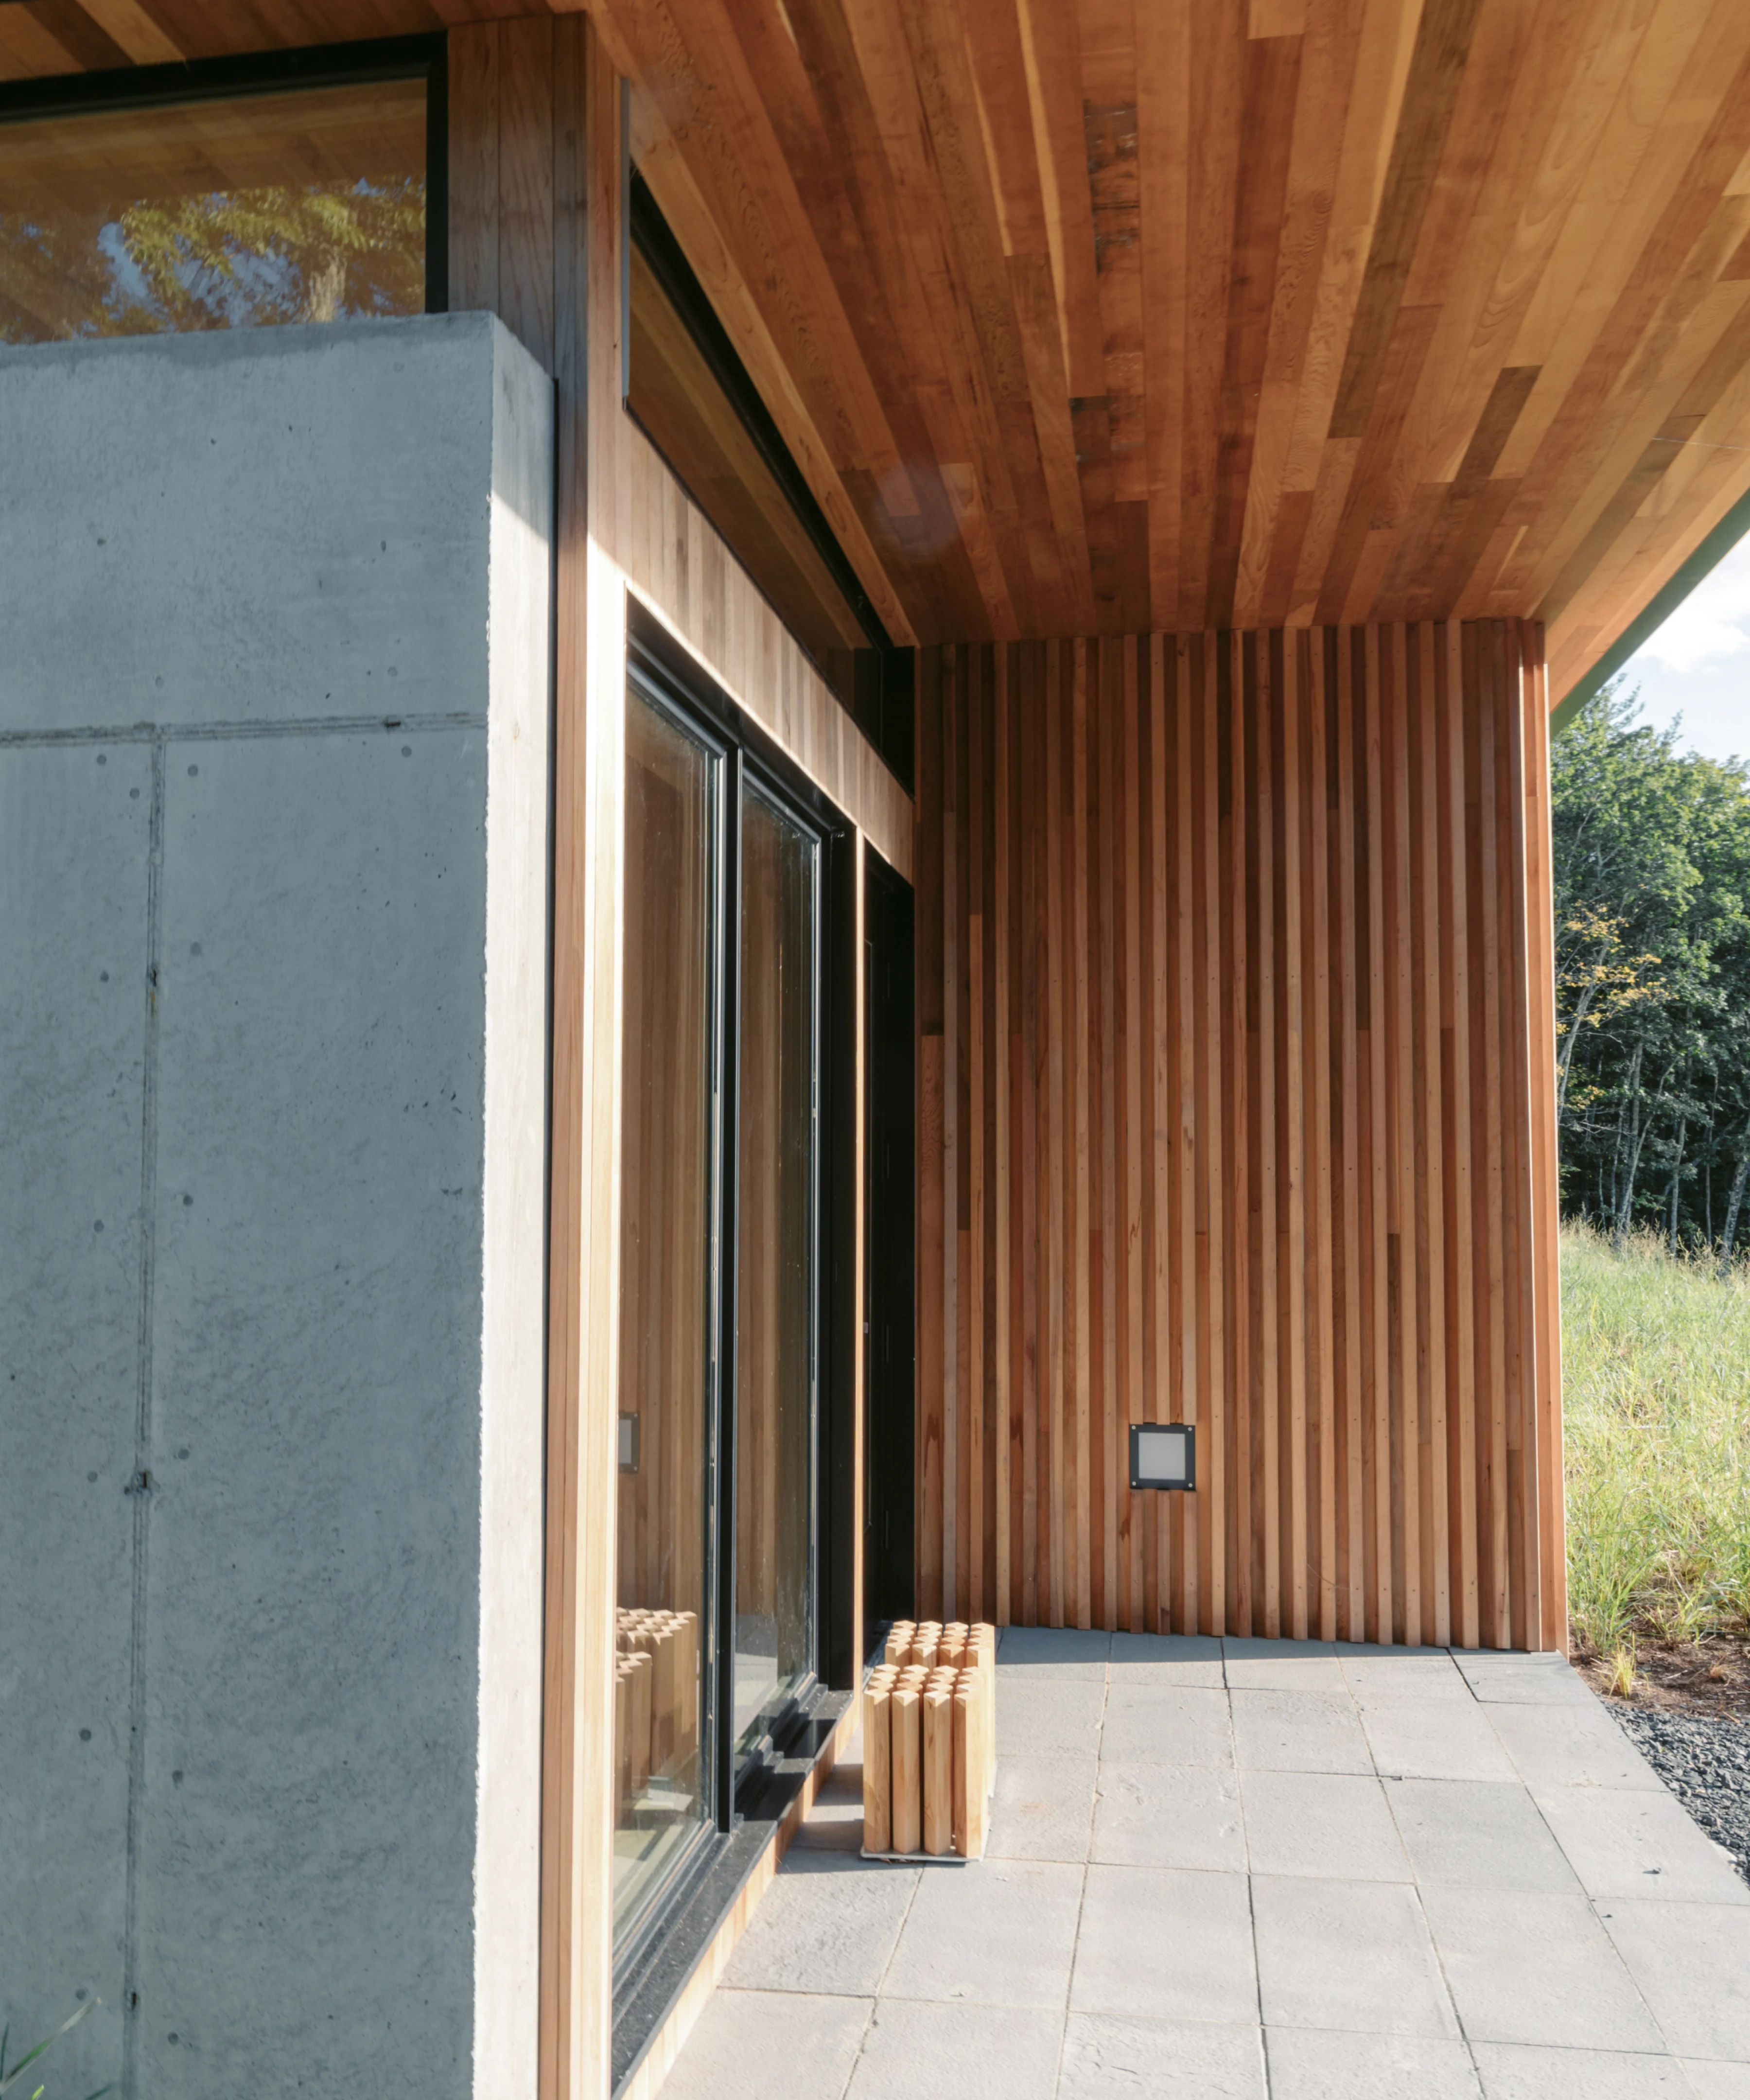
<point>661,661</point>
<point>890,1379</point>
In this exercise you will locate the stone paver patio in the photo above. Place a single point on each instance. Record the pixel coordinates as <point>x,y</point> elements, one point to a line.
<point>1248,1868</point>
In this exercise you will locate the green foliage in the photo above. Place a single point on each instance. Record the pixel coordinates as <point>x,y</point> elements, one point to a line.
<point>1652,943</point>
<point>224,259</point>
<point>10,2075</point>
<point>1656,1420</point>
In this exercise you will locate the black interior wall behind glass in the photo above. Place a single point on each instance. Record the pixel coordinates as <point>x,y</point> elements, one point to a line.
<point>891,1371</point>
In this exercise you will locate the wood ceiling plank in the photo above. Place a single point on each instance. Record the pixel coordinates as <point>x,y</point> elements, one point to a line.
<point>1319,466</point>
<point>1054,88</point>
<point>1584,428</point>
<point>1163,125</point>
<point>1431,94</point>
<point>1327,78</point>
<point>1217,59</point>
<point>135,31</point>
<point>29,50</point>
<point>1272,85</point>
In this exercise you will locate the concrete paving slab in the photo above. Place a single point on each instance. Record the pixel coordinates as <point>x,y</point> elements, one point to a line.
<point>1043,1808</point>
<point>1717,2081</point>
<point>1165,1648</point>
<point>1302,1673</point>
<point>1536,1969</point>
<point>1042,1716</point>
<point>1168,1815</point>
<point>1498,1677</point>
<point>1432,1739</point>
<point>1105,2056</point>
<point>1477,1833</point>
<point>1165,1943</point>
<point>1183,1660</point>
<point>1000,1933</point>
<point>763,2045</point>
<point>1311,2064</point>
<point>973,2052</point>
<point>1298,1731</point>
<point>1246,1648</point>
<point>1149,1724</point>
<point>1353,1955</point>
<point>1692,1963</point>
<point>1333,1825</point>
<point>828,1923</point>
<point>1065,1652</point>
<point>1512,2072</point>
<point>1627,1843</point>
<point>1569,1745</point>
<point>1418,1673</point>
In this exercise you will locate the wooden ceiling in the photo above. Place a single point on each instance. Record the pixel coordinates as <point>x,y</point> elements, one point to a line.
<point>1108,315</point>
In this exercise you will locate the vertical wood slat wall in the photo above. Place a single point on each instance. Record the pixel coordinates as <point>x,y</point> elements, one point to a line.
<point>1235,1012</point>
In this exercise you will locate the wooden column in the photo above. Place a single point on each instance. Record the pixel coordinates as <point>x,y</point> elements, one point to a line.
<point>534,136</point>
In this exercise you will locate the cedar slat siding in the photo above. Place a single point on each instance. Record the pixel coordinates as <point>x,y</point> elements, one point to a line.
<point>1234,973</point>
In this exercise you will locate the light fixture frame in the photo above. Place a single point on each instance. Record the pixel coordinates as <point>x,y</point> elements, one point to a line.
<point>1159,1482</point>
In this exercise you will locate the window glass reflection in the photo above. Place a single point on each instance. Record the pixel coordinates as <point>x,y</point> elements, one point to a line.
<point>660,1711</point>
<point>774,1324</point>
<point>307,204</point>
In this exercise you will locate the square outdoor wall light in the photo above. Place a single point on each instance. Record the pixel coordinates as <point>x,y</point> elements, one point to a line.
<point>1163,1454</point>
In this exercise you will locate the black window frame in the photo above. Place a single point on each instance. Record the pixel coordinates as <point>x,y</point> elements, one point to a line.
<point>664,670</point>
<point>266,74</point>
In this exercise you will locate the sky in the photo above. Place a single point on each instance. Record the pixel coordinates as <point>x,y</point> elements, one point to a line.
<point>1697,665</point>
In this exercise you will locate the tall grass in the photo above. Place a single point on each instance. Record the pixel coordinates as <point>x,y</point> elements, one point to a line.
<point>1656,1376</point>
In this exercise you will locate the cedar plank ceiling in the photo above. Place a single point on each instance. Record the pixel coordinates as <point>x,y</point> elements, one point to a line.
<point>1108,316</point>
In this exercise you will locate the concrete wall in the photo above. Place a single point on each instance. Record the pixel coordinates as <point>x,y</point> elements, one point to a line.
<point>274,720</point>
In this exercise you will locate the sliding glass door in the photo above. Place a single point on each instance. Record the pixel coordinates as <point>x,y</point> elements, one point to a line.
<point>717,1634</point>
<point>671,1171</point>
<point>775,1341</point>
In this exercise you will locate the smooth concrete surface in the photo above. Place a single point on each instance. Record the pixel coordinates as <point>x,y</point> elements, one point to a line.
<point>1290,1870</point>
<point>274,721</point>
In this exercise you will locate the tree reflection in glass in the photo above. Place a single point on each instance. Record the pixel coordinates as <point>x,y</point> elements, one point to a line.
<point>299,205</point>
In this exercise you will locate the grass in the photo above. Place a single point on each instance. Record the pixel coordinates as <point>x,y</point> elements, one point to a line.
<point>1656,1376</point>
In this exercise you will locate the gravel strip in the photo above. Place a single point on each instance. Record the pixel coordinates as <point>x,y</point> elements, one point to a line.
<point>1706,1764</point>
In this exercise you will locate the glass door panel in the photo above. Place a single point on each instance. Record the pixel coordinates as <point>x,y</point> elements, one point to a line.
<point>775,1280</point>
<point>667,1362</point>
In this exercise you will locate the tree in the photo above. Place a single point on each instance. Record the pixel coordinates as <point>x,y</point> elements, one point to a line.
<point>1652,918</point>
<point>223,259</point>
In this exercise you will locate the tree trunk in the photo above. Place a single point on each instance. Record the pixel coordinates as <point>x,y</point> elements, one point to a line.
<point>1736,1198</point>
<point>324,286</point>
<point>1676,1185</point>
<point>1580,1012</point>
<point>1637,1130</point>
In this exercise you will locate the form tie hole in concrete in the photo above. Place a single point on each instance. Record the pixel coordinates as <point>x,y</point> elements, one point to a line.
<point>90,1476</point>
<point>193,771</point>
<point>103,976</point>
<point>182,1451</point>
<point>85,1735</point>
<point>407,751</point>
<point>187,1202</point>
<point>193,947</point>
<point>134,794</point>
<point>97,1224</point>
<point>102,760</point>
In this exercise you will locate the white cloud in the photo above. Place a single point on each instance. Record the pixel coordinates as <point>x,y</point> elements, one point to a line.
<point>1712,625</point>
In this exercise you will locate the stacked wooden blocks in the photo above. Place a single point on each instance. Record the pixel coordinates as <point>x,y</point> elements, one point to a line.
<point>656,1700</point>
<point>929,1741</point>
